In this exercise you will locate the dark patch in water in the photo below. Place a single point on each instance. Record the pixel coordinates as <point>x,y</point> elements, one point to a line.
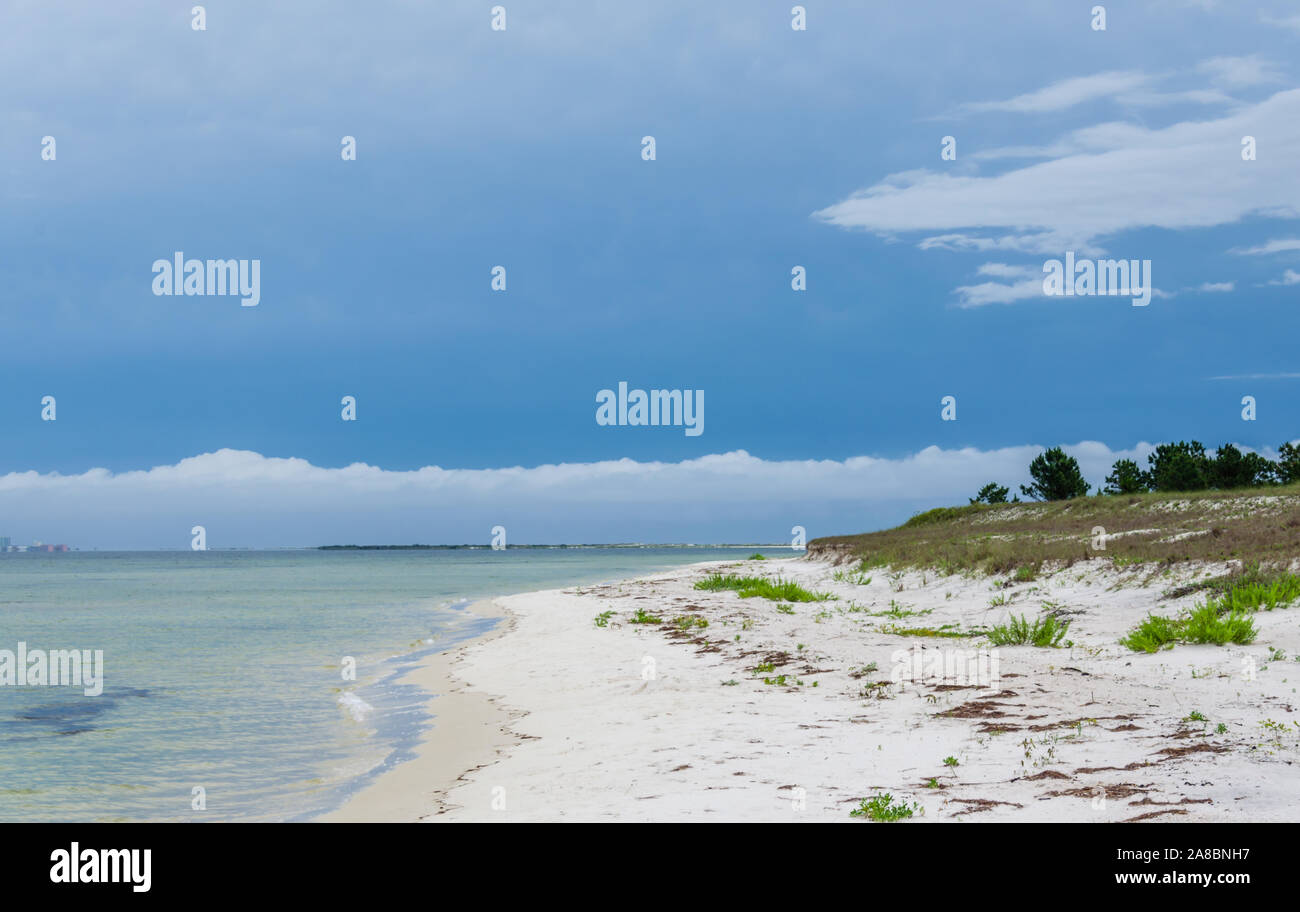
<point>68,717</point>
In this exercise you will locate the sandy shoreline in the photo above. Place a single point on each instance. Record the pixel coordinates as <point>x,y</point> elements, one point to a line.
<point>468,730</point>
<point>780,715</point>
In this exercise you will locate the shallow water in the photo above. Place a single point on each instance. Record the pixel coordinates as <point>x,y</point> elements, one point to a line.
<point>222,670</point>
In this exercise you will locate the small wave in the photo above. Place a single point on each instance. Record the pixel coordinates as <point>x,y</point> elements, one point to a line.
<point>358,707</point>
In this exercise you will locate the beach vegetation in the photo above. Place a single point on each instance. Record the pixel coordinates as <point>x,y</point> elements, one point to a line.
<point>644,617</point>
<point>858,577</point>
<point>883,809</point>
<point>1047,631</point>
<point>602,619</point>
<point>1126,478</point>
<point>1208,623</point>
<point>1161,530</point>
<point>992,493</point>
<point>1056,476</point>
<point>780,589</point>
<point>946,631</point>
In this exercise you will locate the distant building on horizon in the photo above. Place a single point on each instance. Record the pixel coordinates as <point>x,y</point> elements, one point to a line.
<point>6,544</point>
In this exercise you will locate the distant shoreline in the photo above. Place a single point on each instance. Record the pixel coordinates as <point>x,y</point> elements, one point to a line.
<point>536,547</point>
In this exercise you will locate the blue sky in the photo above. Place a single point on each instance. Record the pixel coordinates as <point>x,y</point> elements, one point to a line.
<point>522,148</point>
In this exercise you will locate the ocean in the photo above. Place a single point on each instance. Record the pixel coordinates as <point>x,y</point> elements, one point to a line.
<point>224,696</point>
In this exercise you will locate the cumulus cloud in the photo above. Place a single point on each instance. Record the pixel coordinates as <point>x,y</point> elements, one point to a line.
<point>243,498</point>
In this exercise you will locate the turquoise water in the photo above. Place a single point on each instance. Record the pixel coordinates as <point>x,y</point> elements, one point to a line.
<point>222,670</point>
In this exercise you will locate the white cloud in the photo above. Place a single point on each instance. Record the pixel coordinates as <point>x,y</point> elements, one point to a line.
<point>1004,271</point>
<point>1046,242</point>
<point>1291,22</point>
<point>245,499</point>
<point>1065,94</point>
<point>1216,286</point>
<point>1280,245</point>
<point>1240,72</point>
<point>998,292</point>
<point>1188,175</point>
<point>1164,99</point>
<point>1290,277</point>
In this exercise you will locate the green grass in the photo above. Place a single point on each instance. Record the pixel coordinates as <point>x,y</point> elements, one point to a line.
<point>942,632</point>
<point>1222,619</point>
<point>602,619</point>
<point>757,556</point>
<point>882,809</point>
<point>1265,594</point>
<point>1207,623</point>
<point>1260,524</point>
<point>1047,632</point>
<point>687,621</point>
<point>778,590</point>
<point>644,617</point>
<point>858,577</point>
<point>1025,573</point>
<point>1153,634</point>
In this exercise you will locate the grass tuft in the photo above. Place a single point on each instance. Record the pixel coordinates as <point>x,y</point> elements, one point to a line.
<point>1047,632</point>
<point>882,809</point>
<point>778,590</point>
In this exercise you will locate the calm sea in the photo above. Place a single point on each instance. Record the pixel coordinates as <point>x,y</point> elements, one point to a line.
<point>222,670</point>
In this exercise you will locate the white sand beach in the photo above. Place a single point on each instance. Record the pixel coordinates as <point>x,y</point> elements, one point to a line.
<point>556,718</point>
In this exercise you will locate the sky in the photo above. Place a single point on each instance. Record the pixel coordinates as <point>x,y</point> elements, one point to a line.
<point>523,148</point>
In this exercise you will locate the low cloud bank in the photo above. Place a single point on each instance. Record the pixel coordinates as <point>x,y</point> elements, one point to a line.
<point>245,499</point>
